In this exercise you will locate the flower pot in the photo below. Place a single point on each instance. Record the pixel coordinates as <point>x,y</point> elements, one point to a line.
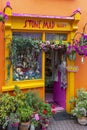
<point>12,127</point>
<point>24,125</point>
<point>2,128</point>
<point>82,120</point>
<point>39,127</point>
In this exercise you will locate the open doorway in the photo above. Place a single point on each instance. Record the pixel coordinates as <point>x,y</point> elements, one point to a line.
<point>55,78</point>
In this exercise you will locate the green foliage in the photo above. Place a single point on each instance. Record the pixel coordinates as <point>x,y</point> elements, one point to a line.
<point>3,17</point>
<point>48,81</point>
<point>22,107</point>
<point>19,43</point>
<point>24,113</point>
<point>11,119</point>
<point>19,97</point>
<point>79,104</point>
<point>32,99</point>
<point>7,105</point>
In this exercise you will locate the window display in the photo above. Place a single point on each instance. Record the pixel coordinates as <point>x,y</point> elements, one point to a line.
<point>28,63</point>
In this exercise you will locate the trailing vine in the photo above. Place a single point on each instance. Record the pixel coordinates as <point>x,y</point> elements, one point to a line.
<point>20,43</point>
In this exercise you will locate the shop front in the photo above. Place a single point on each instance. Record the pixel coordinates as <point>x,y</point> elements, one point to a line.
<point>28,65</point>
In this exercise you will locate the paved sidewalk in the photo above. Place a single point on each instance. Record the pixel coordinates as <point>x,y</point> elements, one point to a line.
<point>65,125</point>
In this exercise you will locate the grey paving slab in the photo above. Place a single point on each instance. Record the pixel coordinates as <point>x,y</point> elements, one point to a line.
<point>65,125</point>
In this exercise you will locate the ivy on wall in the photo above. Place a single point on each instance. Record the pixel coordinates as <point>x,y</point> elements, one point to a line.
<point>20,43</point>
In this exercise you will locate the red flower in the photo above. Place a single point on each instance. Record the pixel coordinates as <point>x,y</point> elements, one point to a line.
<point>53,111</point>
<point>53,106</point>
<point>44,112</point>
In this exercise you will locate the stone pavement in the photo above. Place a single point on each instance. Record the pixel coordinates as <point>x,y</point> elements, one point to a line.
<point>65,125</point>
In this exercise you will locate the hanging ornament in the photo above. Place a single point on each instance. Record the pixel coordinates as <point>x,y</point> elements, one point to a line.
<point>82,59</point>
<point>32,127</point>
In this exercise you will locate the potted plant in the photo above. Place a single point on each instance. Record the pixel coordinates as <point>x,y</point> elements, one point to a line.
<point>13,121</point>
<point>42,112</point>
<point>45,111</point>
<point>79,106</point>
<point>24,113</point>
<point>40,119</point>
<point>7,106</point>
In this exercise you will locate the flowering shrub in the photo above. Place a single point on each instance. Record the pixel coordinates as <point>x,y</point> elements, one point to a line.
<point>24,107</point>
<point>11,120</point>
<point>44,112</point>
<point>79,104</point>
<point>52,45</point>
<point>78,46</point>
<point>71,52</point>
<point>3,16</point>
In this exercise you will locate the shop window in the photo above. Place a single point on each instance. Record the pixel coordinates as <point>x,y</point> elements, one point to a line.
<point>56,36</point>
<point>35,36</point>
<point>28,65</point>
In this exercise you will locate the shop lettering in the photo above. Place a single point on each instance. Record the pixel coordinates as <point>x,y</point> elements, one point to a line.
<point>61,25</point>
<point>32,23</point>
<point>49,25</point>
<point>39,24</point>
<point>43,24</point>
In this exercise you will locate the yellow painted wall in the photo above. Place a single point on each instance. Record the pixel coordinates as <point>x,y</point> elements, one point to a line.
<point>2,56</point>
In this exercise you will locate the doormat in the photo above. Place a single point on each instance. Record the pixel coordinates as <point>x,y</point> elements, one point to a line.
<point>63,115</point>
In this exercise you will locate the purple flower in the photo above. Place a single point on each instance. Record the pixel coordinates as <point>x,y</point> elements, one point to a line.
<point>47,42</point>
<point>1,13</point>
<point>52,46</point>
<point>5,16</point>
<point>37,117</point>
<point>15,124</point>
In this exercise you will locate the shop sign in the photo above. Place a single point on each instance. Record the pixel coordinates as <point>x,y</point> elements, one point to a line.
<point>42,24</point>
<point>71,68</point>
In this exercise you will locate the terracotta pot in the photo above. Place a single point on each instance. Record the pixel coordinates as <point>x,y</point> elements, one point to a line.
<point>82,120</point>
<point>24,125</point>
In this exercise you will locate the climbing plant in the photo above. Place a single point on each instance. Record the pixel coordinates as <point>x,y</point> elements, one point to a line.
<point>20,44</point>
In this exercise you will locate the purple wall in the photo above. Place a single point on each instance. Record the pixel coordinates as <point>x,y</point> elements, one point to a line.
<point>59,94</point>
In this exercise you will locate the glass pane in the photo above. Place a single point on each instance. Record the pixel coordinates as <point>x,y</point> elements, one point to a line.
<point>28,65</point>
<point>35,36</point>
<point>56,36</point>
<point>50,36</point>
<point>63,37</point>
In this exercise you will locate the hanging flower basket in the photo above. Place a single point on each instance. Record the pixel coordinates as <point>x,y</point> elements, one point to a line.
<point>82,50</point>
<point>82,44</point>
<point>71,52</point>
